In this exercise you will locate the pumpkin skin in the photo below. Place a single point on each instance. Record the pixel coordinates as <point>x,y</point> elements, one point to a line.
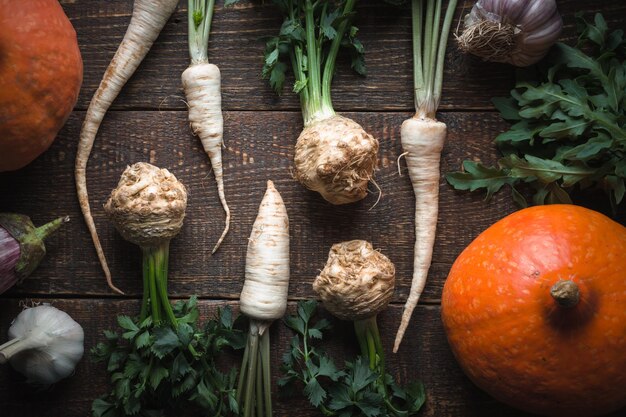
<point>510,336</point>
<point>41,72</point>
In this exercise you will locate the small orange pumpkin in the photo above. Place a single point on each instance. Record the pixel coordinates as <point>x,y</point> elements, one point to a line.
<point>41,71</point>
<point>535,311</point>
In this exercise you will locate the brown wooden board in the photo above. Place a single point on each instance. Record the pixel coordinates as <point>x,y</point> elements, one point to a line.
<point>258,147</point>
<point>424,356</point>
<point>236,48</point>
<point>148,123</point>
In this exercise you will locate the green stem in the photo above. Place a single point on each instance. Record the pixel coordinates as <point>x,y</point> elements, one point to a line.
<point>154,296</point>
<point>434,41</point>
<point>47,229</point>
<point>253,340</point>
<point>259,385</point>
<point>161,258</point>
<point>267,376</point>
<point>430,40</point>
<point>199,17</point>
<point>418,70</point>
<point>314,103</point>
<point>243,373</point>
<point>441,53</point>
<point>331,59</point>
<point>155,260</point>
<point>370,342</point>
<point>146,288</point>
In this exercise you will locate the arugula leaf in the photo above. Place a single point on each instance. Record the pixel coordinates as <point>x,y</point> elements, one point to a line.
<point>569,123</point>
<point>476,176</point>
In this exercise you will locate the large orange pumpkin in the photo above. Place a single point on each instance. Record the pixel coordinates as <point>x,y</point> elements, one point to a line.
<point>535,311</point>
<point>41,72</point>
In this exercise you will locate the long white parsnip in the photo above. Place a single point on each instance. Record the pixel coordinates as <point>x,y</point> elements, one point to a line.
<point>147,21</point>
<point>263,299</point>
<point>423,138</point>
<point>202,86</point>
<point>422,141</point>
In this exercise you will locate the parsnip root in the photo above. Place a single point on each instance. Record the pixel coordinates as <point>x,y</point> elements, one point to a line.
<point>422,141</point>
<point>147,21</point>
<point>201,83</point>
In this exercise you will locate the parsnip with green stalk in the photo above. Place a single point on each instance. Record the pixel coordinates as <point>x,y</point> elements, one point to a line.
<point>147,21</point>
<point>423,137</point>
<point>334,155</point>
<point>201,83</point>
<point>263,299</point>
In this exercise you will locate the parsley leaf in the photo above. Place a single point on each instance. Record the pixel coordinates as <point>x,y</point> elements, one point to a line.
<point>154,367</point>
<point>354,390</point>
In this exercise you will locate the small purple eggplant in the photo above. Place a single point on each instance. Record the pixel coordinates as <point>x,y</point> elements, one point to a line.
<point>22,247</point>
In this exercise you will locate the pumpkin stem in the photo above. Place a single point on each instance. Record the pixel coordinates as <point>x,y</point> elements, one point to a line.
<point>565,293</point>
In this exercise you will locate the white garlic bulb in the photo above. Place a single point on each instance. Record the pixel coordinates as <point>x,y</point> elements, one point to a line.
<point>45,346</point>
<point>518,32</point>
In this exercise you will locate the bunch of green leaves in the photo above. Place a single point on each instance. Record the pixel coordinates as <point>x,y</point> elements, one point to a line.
<point>159,367</point>
<point>569,123</point>
<point>355,390</point>
<point>308,41</point>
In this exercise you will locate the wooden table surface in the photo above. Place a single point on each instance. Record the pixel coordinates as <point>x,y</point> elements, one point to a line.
<point>148,122</point>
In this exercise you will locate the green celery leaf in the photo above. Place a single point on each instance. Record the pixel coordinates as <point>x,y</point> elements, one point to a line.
<point>116,360</point>
<point>371,404</point>
<point>326,24</point>
<point>292,29</point>
<point>295,323</point>
<point>180,367</point>
<point>142,340</point>
<point>299,85</point>
<point>416,396</point>
<point>339,397</point>
<point>157,374</point>
<point>127,323</point>
<point>327,368</point>
<point>165,341</point>
<point>306,309</point>
<point>277,77</point>
<point>314,392</point>
<point>102,408</point>
<point>361,375</point>
<point>133,366</point>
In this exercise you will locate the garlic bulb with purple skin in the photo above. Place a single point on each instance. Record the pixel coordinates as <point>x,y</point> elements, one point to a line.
<point>518,32</point>
<point>22,247</point>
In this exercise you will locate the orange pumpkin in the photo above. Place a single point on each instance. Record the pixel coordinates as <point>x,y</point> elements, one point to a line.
<point>535,311</point>
<point>41,72</point>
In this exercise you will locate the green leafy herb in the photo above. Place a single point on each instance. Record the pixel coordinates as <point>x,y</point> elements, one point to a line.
<point>569,123</point>
<point>354,390</point>
<point>155,366</point>
<point>309,41</point>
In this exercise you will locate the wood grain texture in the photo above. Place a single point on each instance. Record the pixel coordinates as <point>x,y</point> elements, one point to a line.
<point>235,47</point>
<point>259,146</point>
<point>425,356</point>
<point>149,123</point>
